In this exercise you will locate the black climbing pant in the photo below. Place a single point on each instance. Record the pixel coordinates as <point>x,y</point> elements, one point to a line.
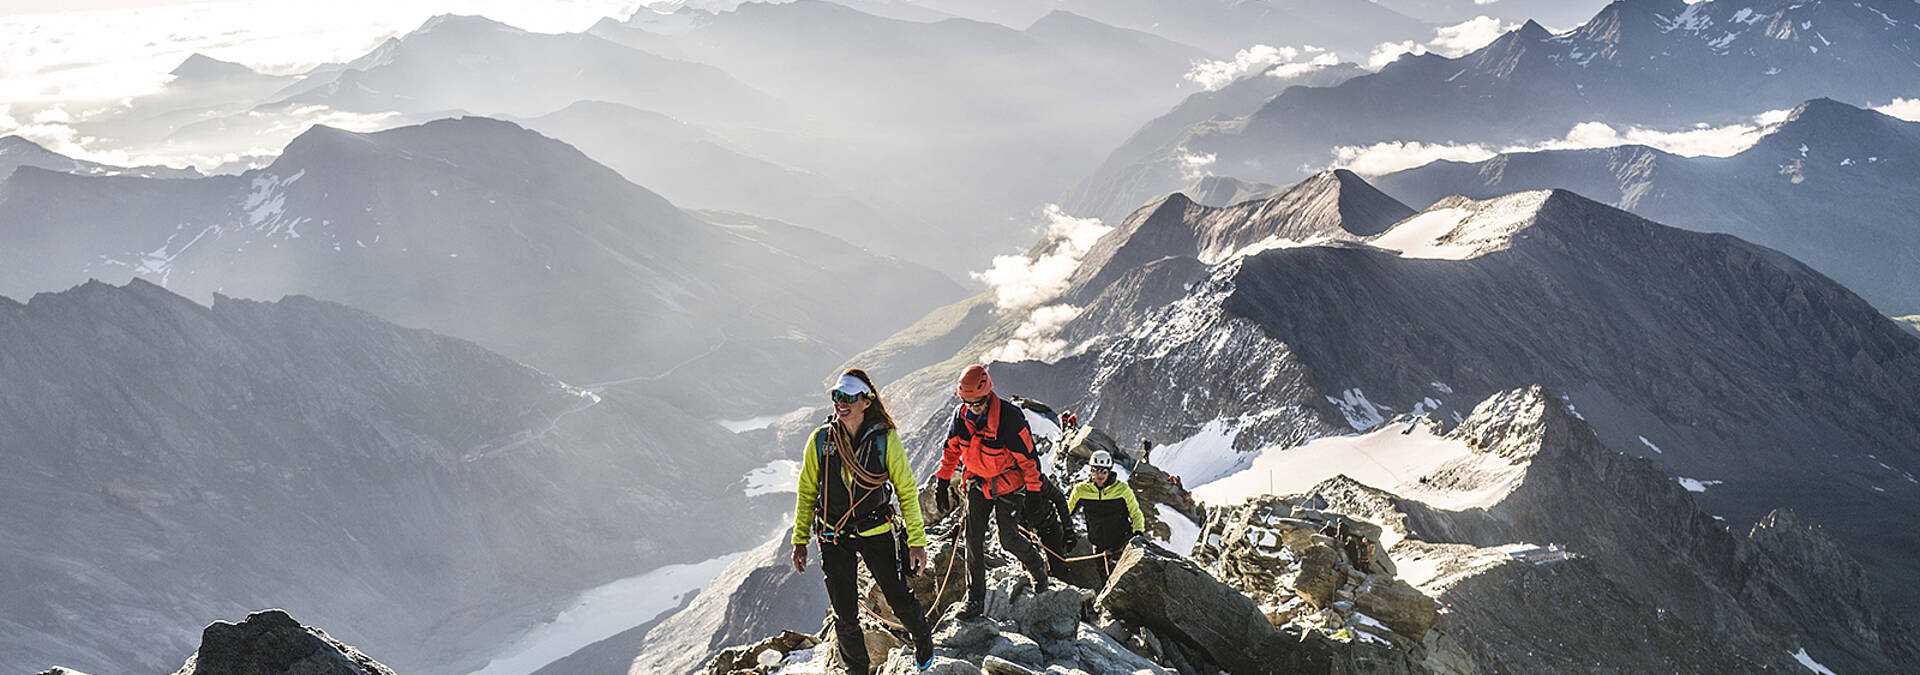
<point>1005,511</point>
<point>838,562</point>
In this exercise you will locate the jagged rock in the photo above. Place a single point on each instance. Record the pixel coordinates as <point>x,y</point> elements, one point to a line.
<point>1017,648</point>
<point>271,643</point>
<point>1398,605</point>
<point>750,656</point>
<point>958,634</point>
<point>1155,588</point>
<point>1318,575</point>
<point>903,665</point>
<point>59,670</point>
<point>994,665</point>
<point>1052,614</point>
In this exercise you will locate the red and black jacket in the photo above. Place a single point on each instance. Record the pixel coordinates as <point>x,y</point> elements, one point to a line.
<point>997,450</point>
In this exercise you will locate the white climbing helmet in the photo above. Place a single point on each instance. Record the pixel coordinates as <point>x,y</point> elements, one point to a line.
<point>1101,460</point>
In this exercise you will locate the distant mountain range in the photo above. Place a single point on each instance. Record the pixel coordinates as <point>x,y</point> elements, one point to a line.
<point>1654,63</point>
<point>481,229</point>
<point>166,463</point>
<point>16,152</point>
<point>1832,185</point>
<point>1221,27</point>
<point>461,62</point>
<point>968,126</point>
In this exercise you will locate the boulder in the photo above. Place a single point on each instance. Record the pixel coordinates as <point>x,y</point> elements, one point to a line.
<point>749,657</point>
<point>270,642</point>
<point>994,665</point>
<point>1401,607</point>
<point>1158,589</point>
<point>1051,615</point>
<point>1318,576</point>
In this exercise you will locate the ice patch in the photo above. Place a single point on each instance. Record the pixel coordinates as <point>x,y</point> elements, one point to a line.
<point>604,612</point>
<point>1809,663</point>
<point>1695,484</point>
<point>1184,533</point>
<point>1442,386</point>
<point>1465,231</point>
<point>1650,445</point>
<point>1361,414</point>
<point>1392,459</point>
<point>780,475</point>
<point>1205,456</point>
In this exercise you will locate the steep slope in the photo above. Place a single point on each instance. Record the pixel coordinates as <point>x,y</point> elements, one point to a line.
<point>164,463</point>
<point>458,63</point>
<point>1663,64</point>
<point>1827,186</point>
<point>484,230</point>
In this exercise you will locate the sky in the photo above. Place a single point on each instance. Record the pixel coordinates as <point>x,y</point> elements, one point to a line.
<point>117,48</point>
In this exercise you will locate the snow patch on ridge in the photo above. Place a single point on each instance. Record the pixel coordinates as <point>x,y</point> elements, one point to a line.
<point>1695,484</point>
<point>1462,229</point>
<point>1392,459</point>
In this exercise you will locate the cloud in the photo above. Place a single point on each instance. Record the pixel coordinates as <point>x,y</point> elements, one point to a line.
<point>1034,339</point>
<point>1904,108</point>
<point>1484,2</point>
<point>1391,156</point>
<point>1216,74</point>
<point>1194,165</point>
<point>1021,282</point>
<point>1700,141</point>
<point>7,122</point>
<point>1449,41</point>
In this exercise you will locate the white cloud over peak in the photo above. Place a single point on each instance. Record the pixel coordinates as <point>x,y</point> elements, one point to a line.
<point>1448,41</point>
<point>1021,282</point>
<point>1216,74</point>
<point>1699,141</point>
<point>1904,108</point>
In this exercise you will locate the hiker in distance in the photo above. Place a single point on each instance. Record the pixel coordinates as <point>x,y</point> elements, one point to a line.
<point>854,471</point>
<point>990,437</point>
<point>1113,514</point>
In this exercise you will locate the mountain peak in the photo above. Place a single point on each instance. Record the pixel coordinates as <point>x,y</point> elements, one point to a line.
<point>462,24</point>
<point>1532,30</point>
<point>1827,128</point>
<point>202,67</point>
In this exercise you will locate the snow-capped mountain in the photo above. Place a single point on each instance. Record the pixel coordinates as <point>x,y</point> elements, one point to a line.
<point>1717,359</point>
<point>1830,186</point>
<point>168,464</point>
<point>1654,63</point>
<point>16,152</point>
<point>461,63</point>
<point>484,230</point>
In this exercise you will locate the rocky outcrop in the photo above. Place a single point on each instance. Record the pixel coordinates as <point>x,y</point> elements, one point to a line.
<point>271,643</point>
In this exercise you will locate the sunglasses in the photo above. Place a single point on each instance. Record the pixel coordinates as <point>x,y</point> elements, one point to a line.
<point>844,397</point>
<point>974,401</point>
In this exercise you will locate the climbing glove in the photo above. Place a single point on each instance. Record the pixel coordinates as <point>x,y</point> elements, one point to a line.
<point>943,495</point>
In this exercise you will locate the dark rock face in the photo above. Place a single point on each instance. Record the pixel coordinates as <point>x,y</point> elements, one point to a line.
<point>271,643</point>
<point>1175,598</point>
<point>1827,186</point>
<point>414,485</point>
<point>1650,331</point>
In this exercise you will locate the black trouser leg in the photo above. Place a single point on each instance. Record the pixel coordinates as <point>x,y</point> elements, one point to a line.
<point>1006,512</point>
<point>837,563</point>
<point>879,553</point>
<point>979,510</point>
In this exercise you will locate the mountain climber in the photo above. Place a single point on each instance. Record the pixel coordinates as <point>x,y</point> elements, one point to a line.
<point>1069,422</point>
<point>854,470</point>
<point>990,436</point>
<point>1146,450</point>
<point>1113,514</point>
